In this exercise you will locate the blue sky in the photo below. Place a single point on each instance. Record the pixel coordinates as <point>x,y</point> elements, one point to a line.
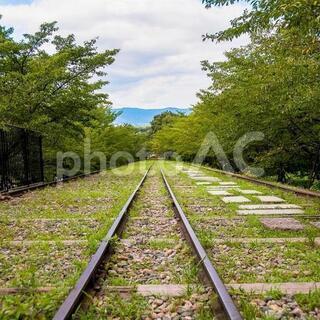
<point>160,42</point>
<point>14,2</point>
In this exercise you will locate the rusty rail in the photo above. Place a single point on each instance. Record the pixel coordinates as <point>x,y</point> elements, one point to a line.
<point>212,275</point>
<point>72,301</point>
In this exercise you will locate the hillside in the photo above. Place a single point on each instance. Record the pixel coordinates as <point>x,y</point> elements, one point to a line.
<point>142,117</point>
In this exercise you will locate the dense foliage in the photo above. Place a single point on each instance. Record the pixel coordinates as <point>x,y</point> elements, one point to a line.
<point>52,84</point>
<point>269,86</point>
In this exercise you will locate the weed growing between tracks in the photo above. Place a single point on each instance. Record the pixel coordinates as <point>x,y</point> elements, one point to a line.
<point>81,211</point>
<point>245,259</point>
<point>47,264</point>
<point>274,305</point>
<point>181,180</point>
<point>152,241</point>
<point>248,227</point>
<point>310,301</point>
<point>135,306</point>
<point>265,262</point>
<point>150,254</point>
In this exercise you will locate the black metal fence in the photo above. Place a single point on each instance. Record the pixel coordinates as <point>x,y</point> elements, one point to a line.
<point>21,162</point>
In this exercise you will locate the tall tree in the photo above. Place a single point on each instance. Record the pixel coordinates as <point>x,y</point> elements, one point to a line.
<point>51,92</point>
<point>52,84</point>
<point>275,15</point>
<point>270,85</point>
<point>163,119</point>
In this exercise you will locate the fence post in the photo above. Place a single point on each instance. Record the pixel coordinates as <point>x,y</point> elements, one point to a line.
<point>25,151</point>
<point>2,161</point>
<point>41,159</point>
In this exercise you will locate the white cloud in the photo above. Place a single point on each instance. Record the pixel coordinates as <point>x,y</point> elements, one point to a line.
<point>160,42</point>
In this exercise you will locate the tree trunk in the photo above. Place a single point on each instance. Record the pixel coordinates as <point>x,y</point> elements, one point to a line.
<point>314,172</point>
<point>281,172</point>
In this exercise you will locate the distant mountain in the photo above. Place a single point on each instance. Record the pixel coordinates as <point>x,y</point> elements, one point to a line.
<point>142,117</point>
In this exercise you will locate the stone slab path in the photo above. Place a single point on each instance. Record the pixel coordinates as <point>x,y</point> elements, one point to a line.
<point>237,199</point>
<point>50,242</point>
<point>208,179</point>
<point>196,176</point>
<point>271,205</point>
<point>289,288</point>
<point>282,224</point>
<point>250,191</point>
<point>227,183</point>
<point>270,199</point>
<point>268,206</point>
<point>270,212</point>
<point>50,220</point>
<point>275,214</point>
<point>265,240</point>
<point>185,187</point>
<point>222,187</point>
<point>219,193</point>
<point>163,290</point>
<point>10,291</point>
<point>316,224</point>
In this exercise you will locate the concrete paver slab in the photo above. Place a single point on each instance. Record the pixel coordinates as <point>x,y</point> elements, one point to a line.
<point>227,183</point>
<point>162,290</point>
<point>250,191</point>
<point>270,199</point>
<point>270,212</point>
<point>222,187</point>
<point>220,193</point>
<point>211,179</point>
<point>282,224</point>
<point>268,206</point>
<point>288,288</point>
<point>236,199</point>
<point>316,224</point>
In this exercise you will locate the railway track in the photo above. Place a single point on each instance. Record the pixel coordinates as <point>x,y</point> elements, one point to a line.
<point>243,251</point>
<point>5,195</point>
<point>149,264</point>
<point>297,191</point>
<point>264,242</point>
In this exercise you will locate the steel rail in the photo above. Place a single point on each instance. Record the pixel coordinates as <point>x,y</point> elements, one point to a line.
<point>212,275</point>
<point>297,191</point>
<point>72,301</point>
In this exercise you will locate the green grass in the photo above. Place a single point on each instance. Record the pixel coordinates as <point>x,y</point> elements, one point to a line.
<point>31,305</point>
<point>83,209</point>
<point>125,309</point>
<point>250,311</point>
<point>100,198</point>
<point>273,263</point>
<point>312,205</point>
<point>249,227</point>
<point>133,307</point>
<point>161,244</point>
<point>238,262</point>
<point>309,301</point>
